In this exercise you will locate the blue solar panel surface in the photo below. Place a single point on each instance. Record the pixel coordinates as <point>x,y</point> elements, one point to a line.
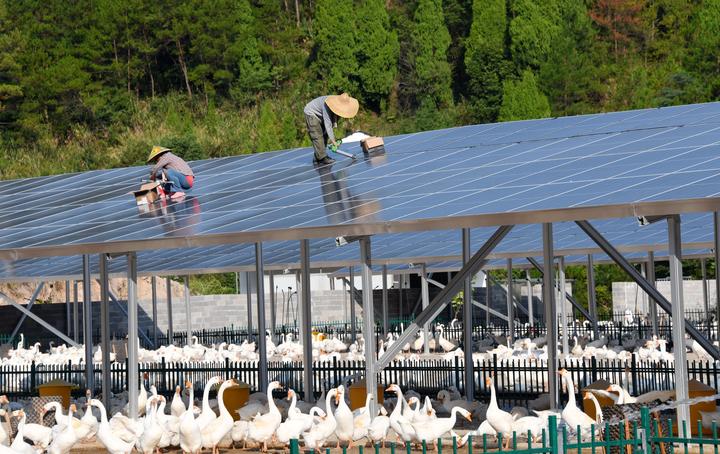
<point>593,160</point>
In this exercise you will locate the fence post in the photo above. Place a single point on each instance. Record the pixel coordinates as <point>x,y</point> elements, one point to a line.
<point>335,372</point>
<point>645,432</point>
<point>593,366</point>
<point>294,448</point>
<point>633,374</point>
<point>457,374</point>
<point>494,370</point>
<point>164,373</point>
<point>33,378</point>
<point>227,368</point>
<point>553,435</point>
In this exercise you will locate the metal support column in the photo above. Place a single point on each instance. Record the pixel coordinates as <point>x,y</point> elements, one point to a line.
<point>105,328</point>
<point>678,320</point>
<point>425,301</point>
<point>188,315</point>
<point>353,320</point>
<point>706,300</point>
<point>168,299</point>
<point>592,297</point>
<point>76,313</point>
<point>87,324</point>
<point>153,285</point>
<point>273,309</point>
<point>716,252</point>
<point>550,312</point>
<point>652,304</point>
<point>29,306</point>
<point>386,322</point>
<point>563,306</point>
<point>531,317</point>
<point>262,347</point>
<point>510,308</point>
<point>368,323</point>
<point>469,378</point>
<point>306,322</point>
<point>248,298</point>
<point>68,315</point>
<point>488,299</point>
<point>133,374</point>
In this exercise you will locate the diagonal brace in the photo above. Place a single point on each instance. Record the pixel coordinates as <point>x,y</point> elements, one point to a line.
<point>643,283</point>
<point>33,298</point>
<point>569,297</point>
<point>444,297</point>
<point>122,309</point>
<point>42,322</point>
<point>475,303</point>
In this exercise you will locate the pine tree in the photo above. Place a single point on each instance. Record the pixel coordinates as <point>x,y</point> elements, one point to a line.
<point>377,53</point>
<point>335,44</point>
<point>523,100</point>
<point>705,40</point>
<point>485,62</point>
<point>432,75</point>
<point>10,89</point>
<point>536,24</point>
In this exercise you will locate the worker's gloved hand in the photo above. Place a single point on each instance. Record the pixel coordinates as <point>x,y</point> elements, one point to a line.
<point>334,146</point>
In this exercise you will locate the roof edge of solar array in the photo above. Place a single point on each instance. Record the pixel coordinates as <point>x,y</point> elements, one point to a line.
<point>635,209</point>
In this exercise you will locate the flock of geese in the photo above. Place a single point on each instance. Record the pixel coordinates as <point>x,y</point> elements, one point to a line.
<point>265,421</point>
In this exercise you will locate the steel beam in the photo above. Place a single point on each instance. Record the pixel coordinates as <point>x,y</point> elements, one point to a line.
<point>39,320</point>
<point>531,317</point>
<point>368,323</point>
<point>445,296</point>
<point>563,308</point>
<point>652,304</point>
<point>386,324</point>
<point>153,288</point>
<point>116,302</point>
<point>133,373</point>
<point>469,378</point>
<point>510,308</point>
<point>87,324</point>
<point>262,340</point>
<point>306,322</point>
<point>425,295</point>
<point>29,306</point>
<point>550,313</point>
<point>168,300</point>
<point>706,300</point>
<point>68,315</point>
<point>105,328</point>
<point>353,320</point>
<point>475,303</point>
<point>678,322</point>
<point>568,296</point>
<point>592,296</point>
<point>645,285</point>
<point>488,298</point>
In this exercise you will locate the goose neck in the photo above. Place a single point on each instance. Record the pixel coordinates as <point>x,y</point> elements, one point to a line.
<point>221,403</point>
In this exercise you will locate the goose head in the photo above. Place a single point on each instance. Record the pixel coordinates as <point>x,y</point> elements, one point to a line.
<point>339,394</point>
<point>466,414</point>
<point>393,389</point>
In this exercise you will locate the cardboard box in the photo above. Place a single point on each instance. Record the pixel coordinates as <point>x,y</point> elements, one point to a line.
<point>373,145</point>
<point>147,193</point>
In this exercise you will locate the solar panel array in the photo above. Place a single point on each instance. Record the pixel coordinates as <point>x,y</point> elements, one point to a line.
<point>617,158</point>
<point>439,249</point>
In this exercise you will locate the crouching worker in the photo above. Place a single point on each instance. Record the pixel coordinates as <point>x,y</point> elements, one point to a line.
<point>171,168</point>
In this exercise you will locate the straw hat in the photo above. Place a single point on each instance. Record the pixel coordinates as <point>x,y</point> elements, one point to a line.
<point>156,151</point>
<point>343,105</point>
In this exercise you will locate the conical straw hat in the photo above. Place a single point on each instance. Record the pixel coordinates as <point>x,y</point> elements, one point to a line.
<point>156,151</point>
<point>343,105</point>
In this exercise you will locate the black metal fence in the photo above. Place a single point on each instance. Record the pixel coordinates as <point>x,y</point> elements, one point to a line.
<point>517,380</point>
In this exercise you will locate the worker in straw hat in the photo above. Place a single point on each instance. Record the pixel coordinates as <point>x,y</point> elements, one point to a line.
<point>173,170</point>
<point>321,115</point>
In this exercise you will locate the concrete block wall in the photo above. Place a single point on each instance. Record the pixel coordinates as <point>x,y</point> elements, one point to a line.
<point>627,295</point>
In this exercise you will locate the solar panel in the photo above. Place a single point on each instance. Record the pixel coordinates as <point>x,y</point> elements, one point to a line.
<point>481,170</point>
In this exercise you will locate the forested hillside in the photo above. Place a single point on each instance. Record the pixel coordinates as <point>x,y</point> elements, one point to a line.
<point>90,84</point>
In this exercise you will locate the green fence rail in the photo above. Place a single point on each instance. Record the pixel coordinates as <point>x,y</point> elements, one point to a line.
<point>648,435</point>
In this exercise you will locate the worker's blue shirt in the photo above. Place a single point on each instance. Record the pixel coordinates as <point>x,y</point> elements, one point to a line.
<point>318,109</point>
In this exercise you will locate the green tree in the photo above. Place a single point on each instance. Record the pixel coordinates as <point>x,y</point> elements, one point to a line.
<point>432,75</point>
<point>485,62</point>
<point>377,53</point>
<point>335,45</point>
<point>523,100</point>
<point>533,29</point>
<point>705,42</point>
<point>10,89</point>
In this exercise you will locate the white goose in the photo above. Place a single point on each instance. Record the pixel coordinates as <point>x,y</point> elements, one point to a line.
<point>88,423</point>
<point>207,415</point>
<point>361,420</point>
<point>571,414</point>
<point>317,436</point>
<point>405,432</point>
<point>263,427</point>
<point>190,438</point>
<point>113,443</point>
<point>501,421</point>
<point>64,439</point>
<point>344,417</point>
<point>18,445</point>
<point>152,430</point>
<point>170,424</point>
<point>213,434</point>
<point>296,422</point>
<point>40,435</point>
<point>378,429</point>
<point>434,429</point>
<point>177,407</point>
